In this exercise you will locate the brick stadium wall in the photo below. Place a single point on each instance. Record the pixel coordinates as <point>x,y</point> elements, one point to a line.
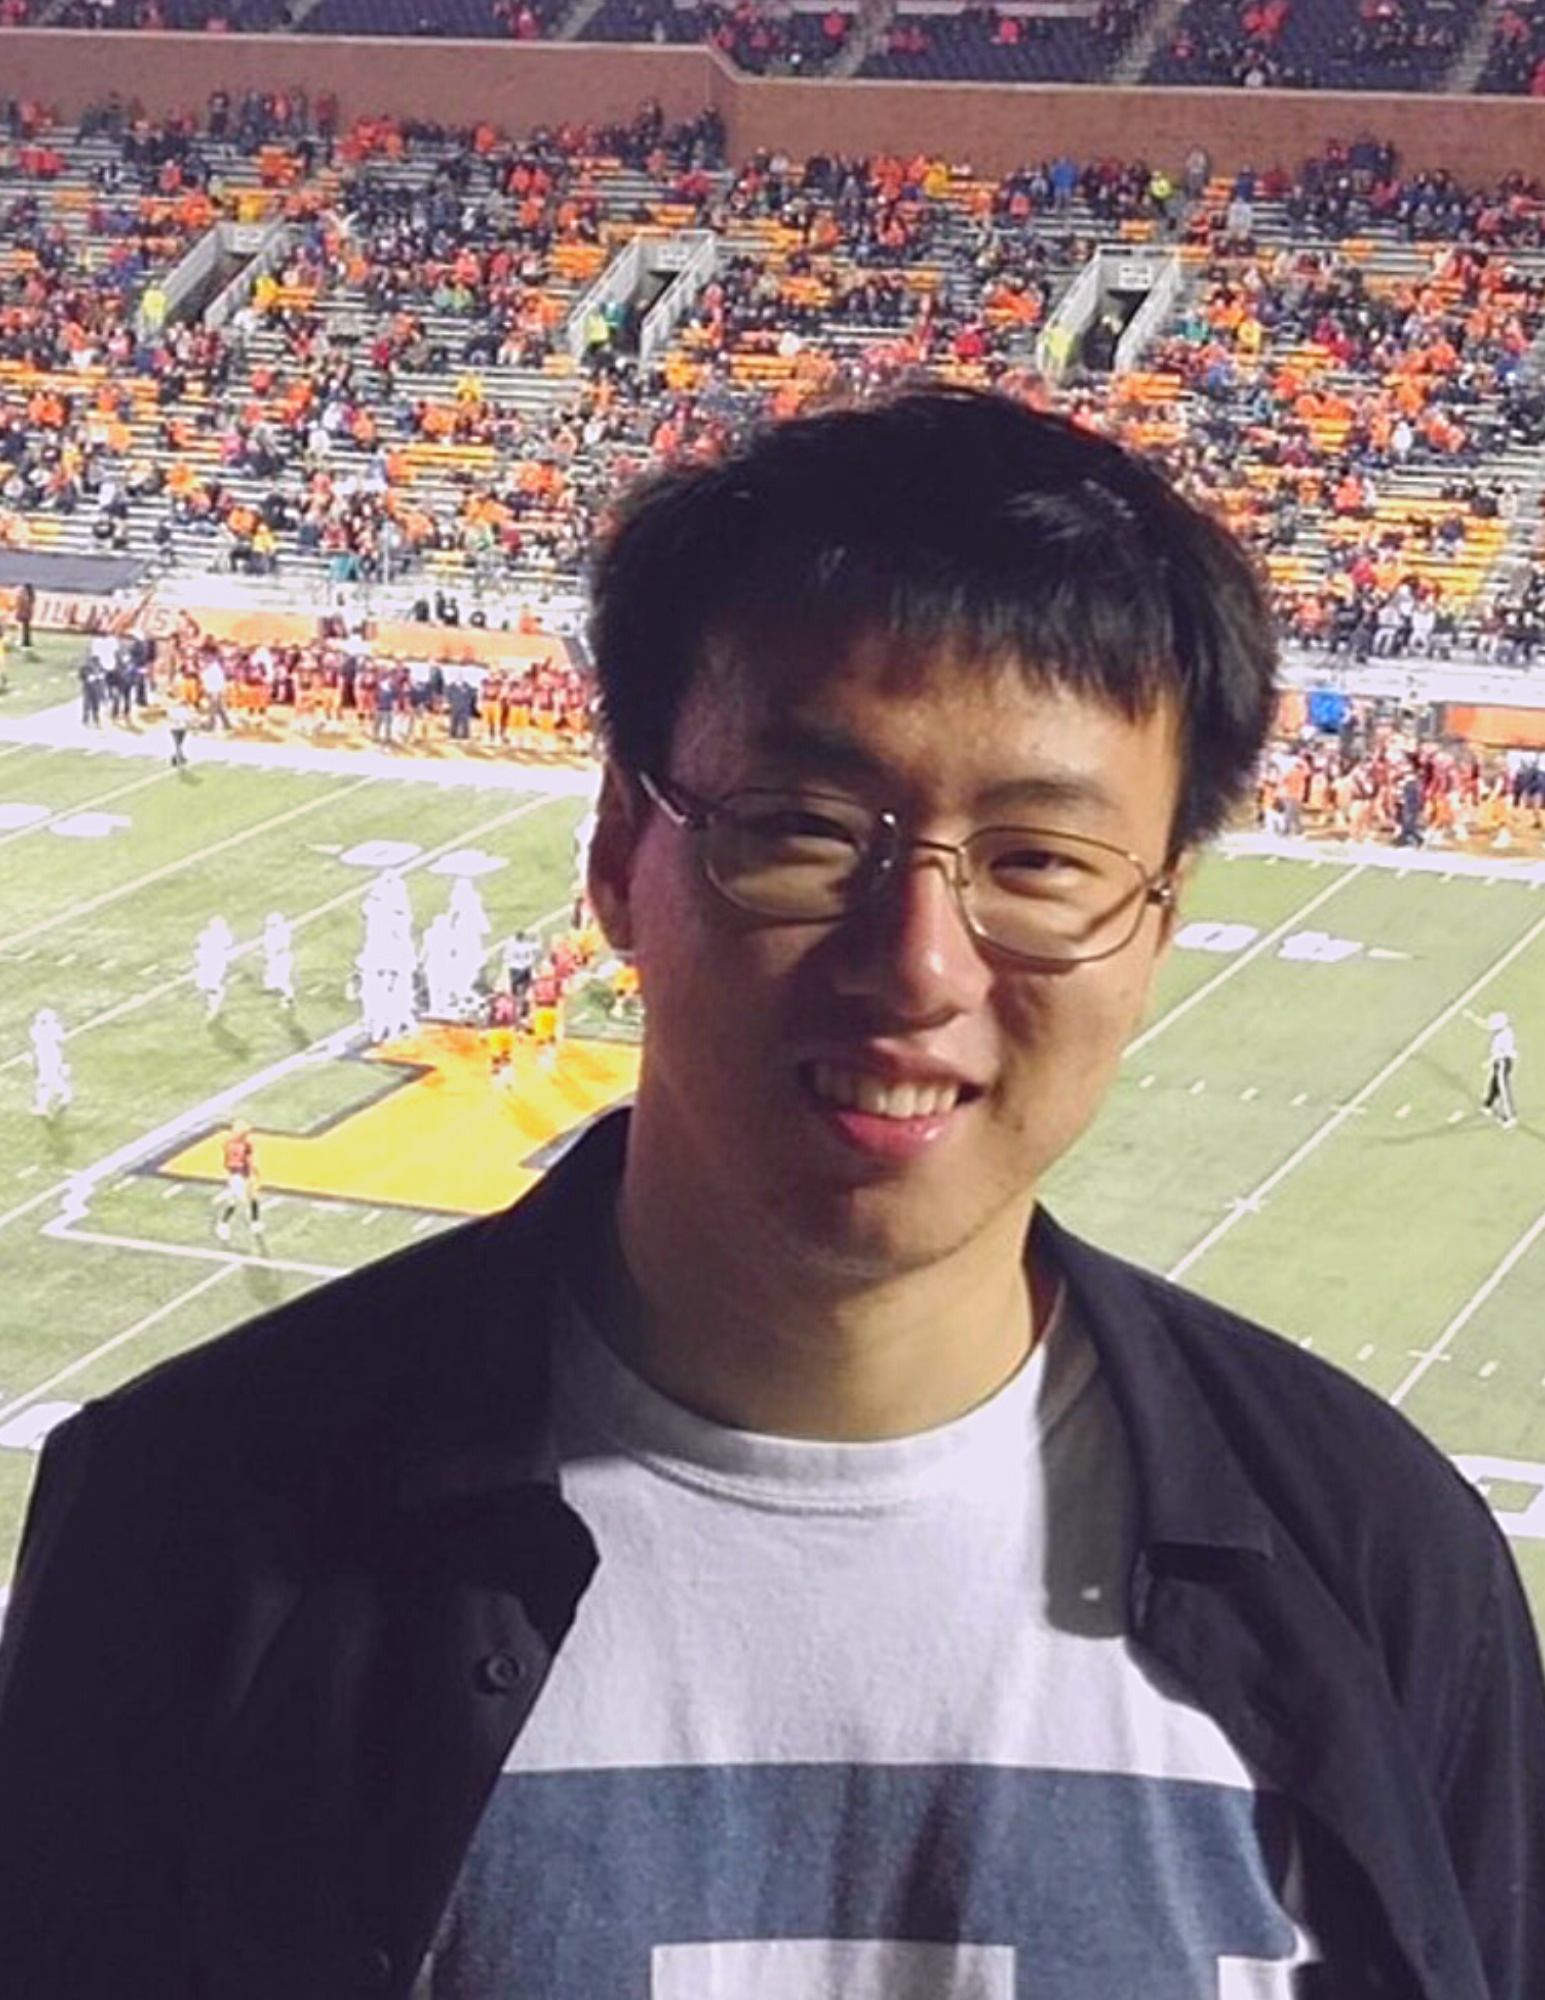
<point>994,126</point>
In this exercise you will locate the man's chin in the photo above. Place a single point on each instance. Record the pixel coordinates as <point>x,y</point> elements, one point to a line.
<point>868,1235</point>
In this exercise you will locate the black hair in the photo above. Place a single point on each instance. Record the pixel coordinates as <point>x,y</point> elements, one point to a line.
<point>944,518</point>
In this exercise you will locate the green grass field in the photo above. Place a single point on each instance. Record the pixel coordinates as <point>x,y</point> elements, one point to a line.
<point>1295,1131</point>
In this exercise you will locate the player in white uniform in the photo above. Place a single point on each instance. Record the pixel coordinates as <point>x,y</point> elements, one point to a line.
<point>212,963</point>
<point>397,1016</point>
<point>470,927</point>
<point>388,960</point>
<point>439,962</point>
<point>279,958</point>
<point>388,894</point>
<point>52,1091</point>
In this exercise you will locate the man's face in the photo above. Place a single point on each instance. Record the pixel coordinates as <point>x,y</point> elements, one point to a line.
<point>759,1029</point>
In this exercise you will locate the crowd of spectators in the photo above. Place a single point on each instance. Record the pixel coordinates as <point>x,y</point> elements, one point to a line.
<point>218,17</point>
<point>1372,45</point>
<point>1515,62</point>
<point>1004,44</point>
<point>1314,44</point>
<point>344,412</point>
<point>755,35</point>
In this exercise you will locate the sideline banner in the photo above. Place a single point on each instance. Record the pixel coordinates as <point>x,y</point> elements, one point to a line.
<point>89,611</point>
<point>405,639</point>
<point>1500,728</point>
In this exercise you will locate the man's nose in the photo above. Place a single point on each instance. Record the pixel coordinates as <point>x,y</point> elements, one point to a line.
<point>911,947</point>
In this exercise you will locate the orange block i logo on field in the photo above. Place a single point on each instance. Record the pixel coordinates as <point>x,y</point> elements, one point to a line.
<point>451,1135</point>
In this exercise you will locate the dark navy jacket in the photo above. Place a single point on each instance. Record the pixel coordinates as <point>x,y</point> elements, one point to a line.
<point>285,1602</point>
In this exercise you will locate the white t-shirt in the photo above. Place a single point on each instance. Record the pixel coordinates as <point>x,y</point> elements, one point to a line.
<point>861,1722</point>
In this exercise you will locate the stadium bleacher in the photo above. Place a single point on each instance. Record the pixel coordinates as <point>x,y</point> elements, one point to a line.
<point>1374,45</point>
<point>1007,44</point>
<point>1515,58</point>
<point>412,389</point>
<point>472,20</point>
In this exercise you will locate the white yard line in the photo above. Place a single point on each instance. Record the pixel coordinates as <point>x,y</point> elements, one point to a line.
<point>1472,1305</point>
<point>1238,964</point>
<point>194,860</point>
<point>60,1231</point>
<point>1332,1124</point>
<point>93,804</point>
<point>430,855</point>
<point>140,1326</point>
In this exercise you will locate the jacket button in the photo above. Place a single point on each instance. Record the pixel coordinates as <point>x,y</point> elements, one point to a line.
<point>376,1969</point>
<point>498,1673</point>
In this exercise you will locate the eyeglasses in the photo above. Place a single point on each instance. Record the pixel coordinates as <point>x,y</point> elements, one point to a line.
<point>1042,897</point>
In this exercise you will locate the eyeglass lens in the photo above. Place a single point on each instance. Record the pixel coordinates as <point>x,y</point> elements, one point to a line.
<point>1041,894</point>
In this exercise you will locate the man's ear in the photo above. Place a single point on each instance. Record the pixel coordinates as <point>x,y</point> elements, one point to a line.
<point>619,818</point>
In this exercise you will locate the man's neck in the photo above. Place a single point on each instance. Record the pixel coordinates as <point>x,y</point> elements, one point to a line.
<point>767,1350</point>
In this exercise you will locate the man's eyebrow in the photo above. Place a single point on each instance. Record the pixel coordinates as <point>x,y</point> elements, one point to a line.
<point>1052,787</point>
<point>798,739</point>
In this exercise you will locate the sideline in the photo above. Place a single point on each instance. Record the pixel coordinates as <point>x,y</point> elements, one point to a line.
<point>62,729</point>
<point>1494,867</point>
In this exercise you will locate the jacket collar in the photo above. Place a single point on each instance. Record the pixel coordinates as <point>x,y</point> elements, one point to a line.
<point>1193,1491</point>
<point>482,1404</point>
<point>482,1421</point>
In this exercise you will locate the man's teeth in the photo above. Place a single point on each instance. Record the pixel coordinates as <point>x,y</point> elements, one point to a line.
<point>857,1090</point>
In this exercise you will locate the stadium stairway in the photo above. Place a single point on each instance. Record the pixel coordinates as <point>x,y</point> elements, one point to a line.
<point>1471,60</point>
<point>1137,54</point>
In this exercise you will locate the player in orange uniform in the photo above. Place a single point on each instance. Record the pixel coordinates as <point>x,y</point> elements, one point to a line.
<point>238,1157</point>
<point>491,706</point>
<point>545,1018</point>
<point>499,1035</point>
<point>626,999</point>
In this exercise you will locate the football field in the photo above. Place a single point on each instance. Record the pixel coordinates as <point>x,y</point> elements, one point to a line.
<point>1296,1130</point>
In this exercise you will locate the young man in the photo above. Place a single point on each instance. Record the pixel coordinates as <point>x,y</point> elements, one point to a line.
<point>776,1557</point>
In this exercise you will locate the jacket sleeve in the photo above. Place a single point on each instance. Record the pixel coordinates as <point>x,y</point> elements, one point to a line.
<point>1491,1788</point>
<point>92,1781</point>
